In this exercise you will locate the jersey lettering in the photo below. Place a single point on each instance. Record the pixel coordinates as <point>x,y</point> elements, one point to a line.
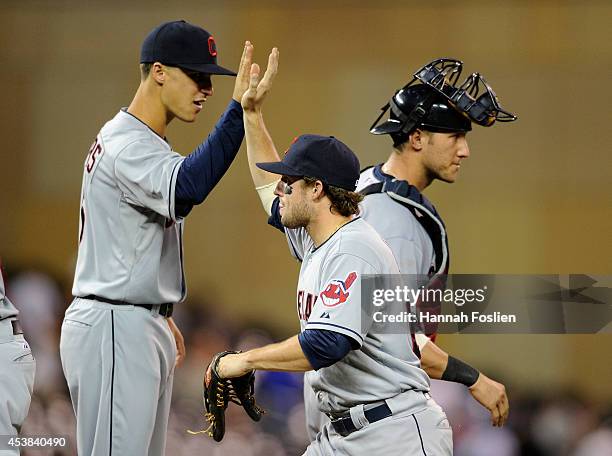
<point>305,303</point>
<point>95,151</point>
<point>82,224</point>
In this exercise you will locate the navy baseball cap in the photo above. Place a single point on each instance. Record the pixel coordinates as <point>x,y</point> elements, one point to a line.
<point>181,44</point>
<point>323,157</point>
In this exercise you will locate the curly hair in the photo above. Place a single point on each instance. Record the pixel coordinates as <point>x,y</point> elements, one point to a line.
<point>344,202</point>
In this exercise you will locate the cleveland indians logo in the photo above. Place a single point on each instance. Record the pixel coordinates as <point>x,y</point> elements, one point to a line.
<point>292,143</point>
<point>212,46</point>
<point>337,291</point>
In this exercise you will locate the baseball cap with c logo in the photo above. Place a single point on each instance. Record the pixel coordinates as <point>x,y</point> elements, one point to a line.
<point>181,44</point>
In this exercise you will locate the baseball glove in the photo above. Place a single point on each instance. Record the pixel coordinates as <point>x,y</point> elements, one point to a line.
<point>218,392</point>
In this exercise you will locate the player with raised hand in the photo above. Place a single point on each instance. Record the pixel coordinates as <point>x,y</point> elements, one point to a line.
<point>119,345</point>
<point>369,384</point>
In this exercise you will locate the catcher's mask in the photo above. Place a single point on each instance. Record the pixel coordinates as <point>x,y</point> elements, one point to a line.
<point>433,101</point>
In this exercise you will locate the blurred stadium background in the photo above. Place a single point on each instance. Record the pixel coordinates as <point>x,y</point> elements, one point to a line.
<point>533,198</point>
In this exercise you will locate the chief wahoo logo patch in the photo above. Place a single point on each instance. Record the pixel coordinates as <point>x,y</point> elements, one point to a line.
<point>337,291</point>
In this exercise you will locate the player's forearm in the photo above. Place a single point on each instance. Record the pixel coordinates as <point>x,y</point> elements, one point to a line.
<point>441,366</point>
<point>205,166</point>
<point>260,147</point>
<point>433,360</point>
<point>282,356</point>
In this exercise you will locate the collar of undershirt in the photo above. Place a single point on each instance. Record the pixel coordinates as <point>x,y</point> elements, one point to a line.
<point>124,110</point>
<point>415,194</point>
<point>332,235</point>
<point>380,174</point>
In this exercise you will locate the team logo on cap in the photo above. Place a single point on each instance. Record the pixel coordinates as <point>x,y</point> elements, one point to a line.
<point>212,46</point>
<point>337,291</point>
<point>292,143</point>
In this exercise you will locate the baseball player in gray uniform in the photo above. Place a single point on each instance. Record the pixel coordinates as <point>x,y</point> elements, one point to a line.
<point>407,221</point>
<point>428,121</point>
<point>369,384</point>
<point>119,344</point>
<point>17,367</point>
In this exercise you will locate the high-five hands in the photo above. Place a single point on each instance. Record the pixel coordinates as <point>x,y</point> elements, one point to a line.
<point>257,91</point>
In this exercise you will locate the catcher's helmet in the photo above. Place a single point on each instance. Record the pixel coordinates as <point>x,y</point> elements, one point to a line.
<point>432,101</point>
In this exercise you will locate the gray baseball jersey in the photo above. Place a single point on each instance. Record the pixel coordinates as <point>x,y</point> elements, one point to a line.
<point>414,253</point>
<point>384,368</point>
<point>409,242</point>
<point>17,367</point>
<point>130,240</point>
<point>329,297</point>
<point>130,251</point>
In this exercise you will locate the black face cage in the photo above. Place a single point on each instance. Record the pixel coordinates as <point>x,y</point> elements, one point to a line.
<point>474,97</point>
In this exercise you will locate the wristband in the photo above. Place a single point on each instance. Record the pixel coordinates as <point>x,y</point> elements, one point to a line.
<point>459,372</point>
<point>266,195</point>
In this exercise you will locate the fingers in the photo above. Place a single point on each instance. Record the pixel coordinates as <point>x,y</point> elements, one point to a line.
<point>255,89</point>
<point>181,349</point>
<point>272,68</point>
<point>242,77</point>
<point>207,376</point>
<point>500,411</point>
<point>254,75</point>
<point>220,367</point>
<point>504,408</point>
<point>245,61</point>
<point>493,397</point>
<point>179,341</point>
<point>495,415</point>
<point>502,404</point>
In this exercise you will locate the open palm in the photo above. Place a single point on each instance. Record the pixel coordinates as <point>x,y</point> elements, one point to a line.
<point>254,96</point>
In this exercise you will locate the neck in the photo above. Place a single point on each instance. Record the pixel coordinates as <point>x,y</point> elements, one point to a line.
<point>148,107</point>
<point>406,166</point>
<point>321,228</point>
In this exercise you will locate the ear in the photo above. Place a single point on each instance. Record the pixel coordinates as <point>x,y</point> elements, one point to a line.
<point>317,191</point>
<point>417,139</point>
<point>158,73</point>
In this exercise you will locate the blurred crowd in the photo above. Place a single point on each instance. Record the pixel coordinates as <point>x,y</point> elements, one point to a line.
<point>551,423</point>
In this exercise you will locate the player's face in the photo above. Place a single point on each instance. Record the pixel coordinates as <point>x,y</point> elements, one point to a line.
<point>443,153</point>
<point>294,209</point>
<point>185,92</point>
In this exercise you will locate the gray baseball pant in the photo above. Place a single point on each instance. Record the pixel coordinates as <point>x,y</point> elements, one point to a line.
<point>118,361</point>
<point>418,427</point>
<point>17,367</point>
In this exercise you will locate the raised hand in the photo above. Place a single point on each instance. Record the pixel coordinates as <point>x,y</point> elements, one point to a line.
<point>242,79</point>
<point>253,98</point>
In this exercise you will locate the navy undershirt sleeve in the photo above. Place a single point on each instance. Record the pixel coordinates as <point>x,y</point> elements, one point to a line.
<point>323,348</point>
<point>275,218</point>
<point>205,166</point>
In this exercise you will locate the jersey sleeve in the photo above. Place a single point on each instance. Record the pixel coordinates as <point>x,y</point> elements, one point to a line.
<point>147,173</point>
<point>339,306</point>
<point>275,218</point>
<point>323,348</point>
<point>298,240</point>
